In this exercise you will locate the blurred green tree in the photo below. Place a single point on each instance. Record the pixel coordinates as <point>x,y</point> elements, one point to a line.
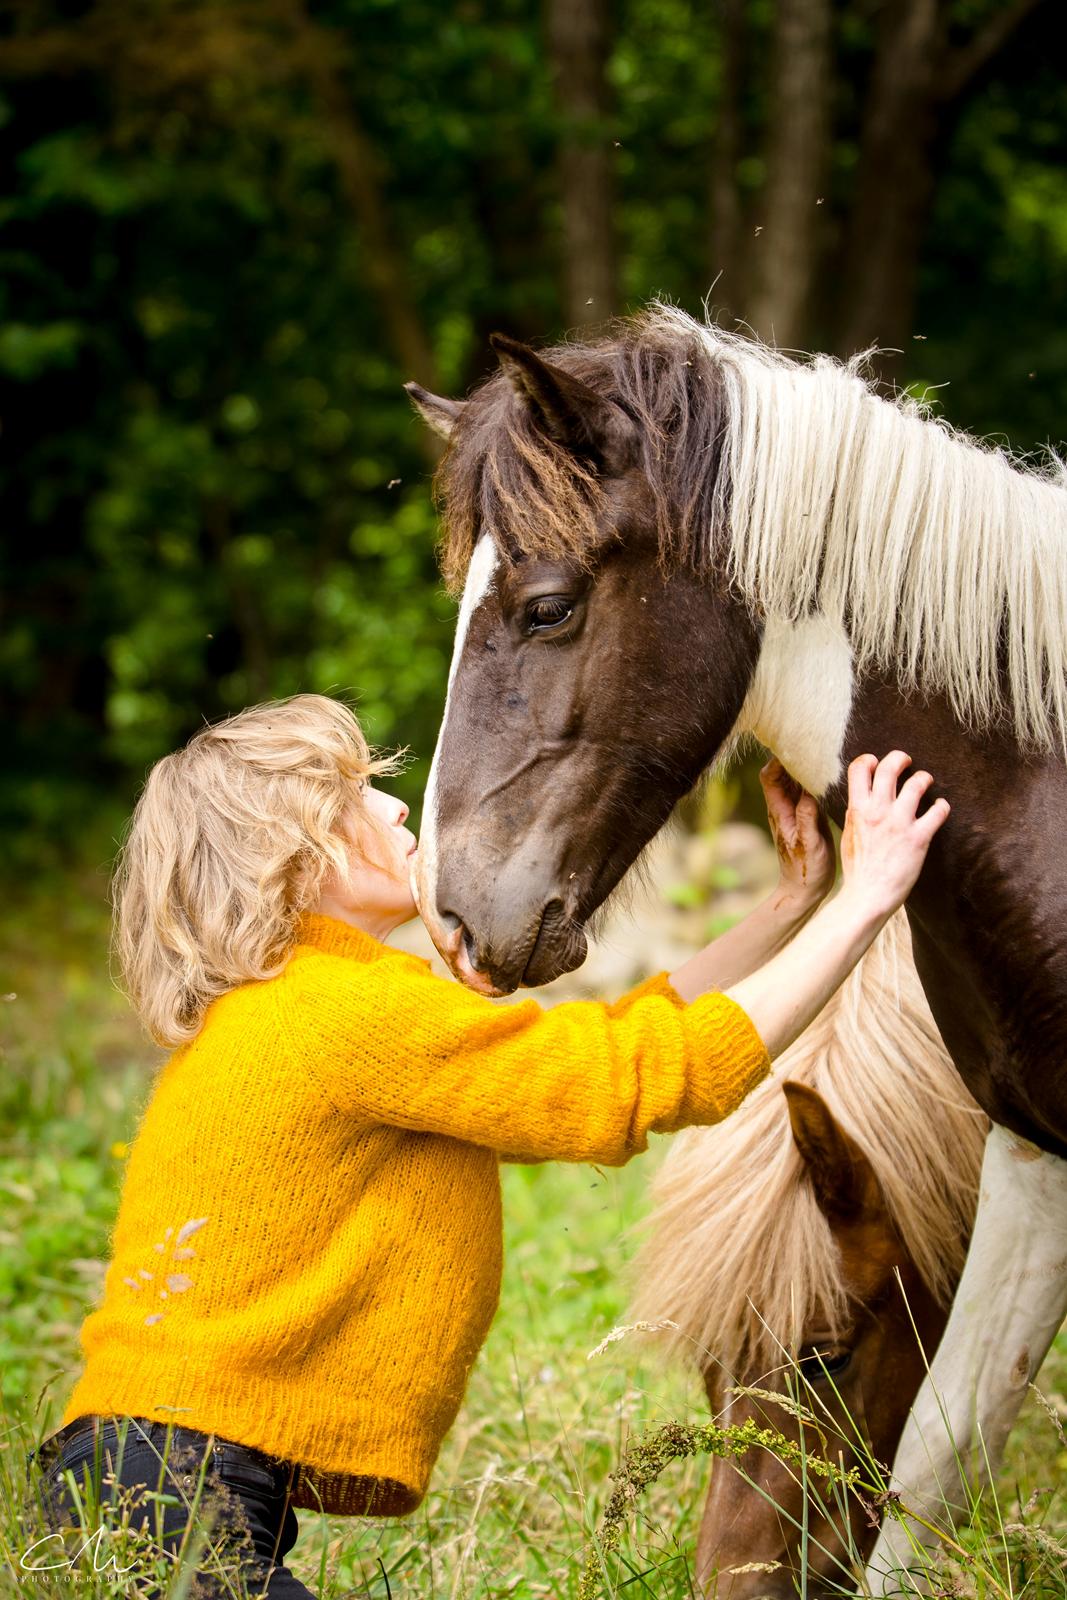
<point>230,230</point>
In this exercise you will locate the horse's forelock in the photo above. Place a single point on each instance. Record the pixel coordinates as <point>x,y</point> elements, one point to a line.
<point>502,475</point>
<point>502,472</point>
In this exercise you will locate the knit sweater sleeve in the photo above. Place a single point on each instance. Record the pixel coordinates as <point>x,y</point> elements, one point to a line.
<point>659,983</point>
<point>584,1081</point>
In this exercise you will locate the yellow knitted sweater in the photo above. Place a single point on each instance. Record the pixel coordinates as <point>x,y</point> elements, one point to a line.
<point>308,1248</point>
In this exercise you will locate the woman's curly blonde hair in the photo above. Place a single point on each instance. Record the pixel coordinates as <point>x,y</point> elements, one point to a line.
<point>229,842</point>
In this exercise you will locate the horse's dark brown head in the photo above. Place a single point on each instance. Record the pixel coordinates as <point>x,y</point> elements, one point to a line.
<point>594,675</point>
<point>764,1532</point>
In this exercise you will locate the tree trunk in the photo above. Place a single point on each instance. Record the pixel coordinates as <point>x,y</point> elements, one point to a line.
<point>786,248</point>
<point>895,180</point>
<point>725,223</point>
<point>579,45</point>
<point>357,171</point>
<point>916,89</point>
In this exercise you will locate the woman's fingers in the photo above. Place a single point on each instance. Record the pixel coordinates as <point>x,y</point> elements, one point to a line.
<point>812,828</point>
<point>808,809</point>
<point>871,779</point>
<point>860,772</point>
<point>782,795</point>
<point>800,832</point>
<point>813,833</point>
<point>927,825</point>
<point>887,774</point>
<point>885,839</point>
<point>912,791</point>
<point>777,781</point>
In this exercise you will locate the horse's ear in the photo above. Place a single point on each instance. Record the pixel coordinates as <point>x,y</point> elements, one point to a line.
<point>842,1177</point>
<point>441,414</point>
<point>568,410</point>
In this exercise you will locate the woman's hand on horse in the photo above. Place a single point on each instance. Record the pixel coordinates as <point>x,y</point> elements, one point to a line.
<point>801,834</point>
<point>885,841</point>
<point>883,848</point>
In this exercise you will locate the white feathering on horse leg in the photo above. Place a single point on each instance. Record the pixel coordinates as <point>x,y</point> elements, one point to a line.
<point>800,698</point>
<point>1010,1303</point>
<point>479,581</point>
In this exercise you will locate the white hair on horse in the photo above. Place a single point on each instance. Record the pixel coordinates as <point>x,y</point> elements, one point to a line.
<point>945,558</point>
<point>739,1255</point>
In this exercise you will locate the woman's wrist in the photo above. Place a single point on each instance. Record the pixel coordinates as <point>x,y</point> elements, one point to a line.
<point>761,934</point>
<point>778,919</point>
<point>794,903</point>
<point>857,904</point>
<point>783,995</point>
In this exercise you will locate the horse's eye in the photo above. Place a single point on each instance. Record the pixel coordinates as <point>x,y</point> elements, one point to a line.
<point>546,612</point>
<point>818,1364</point>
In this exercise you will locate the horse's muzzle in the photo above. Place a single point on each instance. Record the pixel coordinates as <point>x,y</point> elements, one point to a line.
<point>560,946</point>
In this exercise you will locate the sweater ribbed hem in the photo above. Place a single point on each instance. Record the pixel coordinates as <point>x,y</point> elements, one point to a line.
<point>658,983</point>
<point>382,1467</point>
<point>734,1062</point>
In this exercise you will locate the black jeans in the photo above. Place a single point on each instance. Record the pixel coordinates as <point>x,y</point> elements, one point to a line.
<point>244,1493</point>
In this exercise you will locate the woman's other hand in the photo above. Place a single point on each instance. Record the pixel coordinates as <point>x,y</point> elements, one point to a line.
<point>884,842</point>
<point>802,838</point>
<point>883,848</point>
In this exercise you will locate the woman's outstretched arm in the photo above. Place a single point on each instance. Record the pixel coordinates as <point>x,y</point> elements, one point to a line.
<point>806,859</point>
<point>882,851</point>
<point>390,1043</point>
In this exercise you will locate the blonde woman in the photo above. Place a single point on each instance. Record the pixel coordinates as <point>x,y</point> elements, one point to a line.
<point>307,1254</point>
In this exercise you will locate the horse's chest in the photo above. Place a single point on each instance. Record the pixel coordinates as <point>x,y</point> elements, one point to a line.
<point>800,699</point>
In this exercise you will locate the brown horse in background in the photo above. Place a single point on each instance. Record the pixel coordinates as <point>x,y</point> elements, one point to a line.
<point>673,538</point>
<point>814,1240</point>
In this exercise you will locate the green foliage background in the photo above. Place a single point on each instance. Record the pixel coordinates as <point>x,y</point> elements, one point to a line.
<point>212,488</point>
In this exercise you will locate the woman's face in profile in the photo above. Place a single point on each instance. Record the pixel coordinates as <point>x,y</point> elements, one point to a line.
<point>376,892</point>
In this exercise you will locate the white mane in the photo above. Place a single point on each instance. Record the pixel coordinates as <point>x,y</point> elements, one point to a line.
<point>739,1254</point>
<point>944,558</point>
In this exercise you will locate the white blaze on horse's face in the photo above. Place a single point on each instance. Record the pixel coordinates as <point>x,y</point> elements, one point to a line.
<point>799,702</point>
<point>478,585</point>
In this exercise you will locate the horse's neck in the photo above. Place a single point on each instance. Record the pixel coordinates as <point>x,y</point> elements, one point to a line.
<point>799,700</point>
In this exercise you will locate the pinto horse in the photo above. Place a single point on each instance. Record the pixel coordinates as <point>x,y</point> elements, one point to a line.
<point>812,1240</point>
<point>672,538</point>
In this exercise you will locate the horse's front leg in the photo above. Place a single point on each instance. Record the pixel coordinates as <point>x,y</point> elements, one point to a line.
<point>1011,1300</point>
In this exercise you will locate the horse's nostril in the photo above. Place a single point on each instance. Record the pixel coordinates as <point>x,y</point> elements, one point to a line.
<point>471,948</point>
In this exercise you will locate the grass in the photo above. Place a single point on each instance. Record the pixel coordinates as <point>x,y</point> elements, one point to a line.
<point>524,1480</point>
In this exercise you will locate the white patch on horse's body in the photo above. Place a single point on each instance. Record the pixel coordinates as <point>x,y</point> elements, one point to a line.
<point>1010,1303</point>
<point>799,701</point>
<point>479,581</point>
